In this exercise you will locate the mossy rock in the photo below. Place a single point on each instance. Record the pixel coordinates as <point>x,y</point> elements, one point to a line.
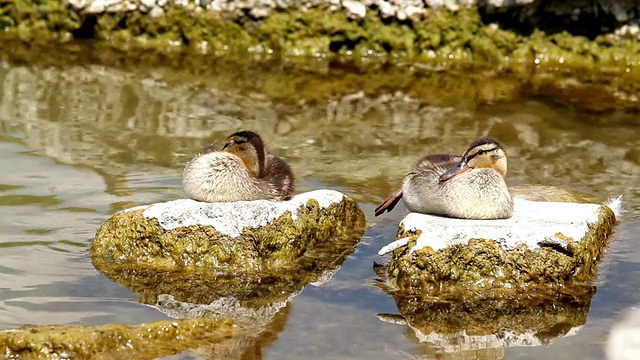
<point>251,298</point>
<point>480,323</point>
<point>244,236</point>
<point>244,260</point>
<point>115,341</point>
<point>546,247</point>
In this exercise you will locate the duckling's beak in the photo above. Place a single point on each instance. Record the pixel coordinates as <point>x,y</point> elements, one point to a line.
<point>460,168</point>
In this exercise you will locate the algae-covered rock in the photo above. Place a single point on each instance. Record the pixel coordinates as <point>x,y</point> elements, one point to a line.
<point>240,236</point>
<point>116,341</point>
<point>477,323</point>
<point>545,245</point>
<point>251,297</point>
<point>244,261</point>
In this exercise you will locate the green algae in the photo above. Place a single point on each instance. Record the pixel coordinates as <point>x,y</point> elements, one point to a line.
<point>130,237</point>
<point>254,274</point>
<point>142,341</point>
<point>31,20</point>
<point>441,36</point>
<point>253,288</point>
<point>484,266</point>
<point>493,63</point>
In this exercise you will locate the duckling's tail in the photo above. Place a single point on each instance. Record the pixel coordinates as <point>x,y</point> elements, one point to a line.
<point>615,204</point>
<point>389,203</point>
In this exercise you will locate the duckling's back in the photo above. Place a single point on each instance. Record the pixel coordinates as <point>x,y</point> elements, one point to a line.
<point>222,177</point>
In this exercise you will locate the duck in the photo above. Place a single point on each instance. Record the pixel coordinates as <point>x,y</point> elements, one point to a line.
<point>243,170</point>
<point>471,186</point>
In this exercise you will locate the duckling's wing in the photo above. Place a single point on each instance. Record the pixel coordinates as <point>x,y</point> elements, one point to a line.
<point>279,175</point>
<point>389,203</point>
<point>437,161</point>
<point>209,149</point>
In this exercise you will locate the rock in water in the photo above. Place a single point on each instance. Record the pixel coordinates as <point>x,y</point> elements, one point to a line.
<point>545,245</point>
<point>243,235</point>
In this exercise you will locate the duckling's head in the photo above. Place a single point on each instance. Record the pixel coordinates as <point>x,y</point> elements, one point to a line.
<point>248,146</point>
<point>482,153</point>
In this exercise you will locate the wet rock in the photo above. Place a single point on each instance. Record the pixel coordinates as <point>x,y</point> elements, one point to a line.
<point>251,298</point>
<point>255,298</point>
<point>544,245</point>
<point>144,341</point>
<point>234,236</point>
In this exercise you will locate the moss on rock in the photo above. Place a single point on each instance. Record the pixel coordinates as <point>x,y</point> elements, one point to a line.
<point>253,288</point>
<point>142,341</point>
<point>130,237</point>
<point>488,266</point>
<point>438,35</point>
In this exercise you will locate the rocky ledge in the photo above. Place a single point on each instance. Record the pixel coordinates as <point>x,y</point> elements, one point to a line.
<point>550,246</point>
<point>226,237</point>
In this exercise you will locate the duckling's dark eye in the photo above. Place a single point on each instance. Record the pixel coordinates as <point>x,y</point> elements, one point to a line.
<point>481,152</point>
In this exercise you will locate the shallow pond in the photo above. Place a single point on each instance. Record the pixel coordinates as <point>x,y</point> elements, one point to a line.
<point>78,143</point>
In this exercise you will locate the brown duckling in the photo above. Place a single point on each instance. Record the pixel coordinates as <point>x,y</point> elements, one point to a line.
<point>470,186</point>
<point>242,170</point>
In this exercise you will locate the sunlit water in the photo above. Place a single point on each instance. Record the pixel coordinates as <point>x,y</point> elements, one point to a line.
<point>80,143</point>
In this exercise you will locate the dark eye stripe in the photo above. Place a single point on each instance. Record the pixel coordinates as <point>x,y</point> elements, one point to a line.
<point>480,152</point>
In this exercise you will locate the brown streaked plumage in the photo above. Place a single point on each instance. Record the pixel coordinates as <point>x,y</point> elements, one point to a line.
<point>242,170</point>
<point>470,186</point>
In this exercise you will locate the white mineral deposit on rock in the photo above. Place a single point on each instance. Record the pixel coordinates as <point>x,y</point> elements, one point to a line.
<point>230,218</point>
<point>534,223</point>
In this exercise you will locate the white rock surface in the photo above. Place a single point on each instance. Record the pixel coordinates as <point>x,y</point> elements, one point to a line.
<point>533,223</point>
<point>623,11</point>
<point>231,217</point>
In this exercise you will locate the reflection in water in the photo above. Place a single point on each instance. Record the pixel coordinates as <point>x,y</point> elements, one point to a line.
<point>112,139</point>
<point>480,327</point>
<point>251,299</point>
<point>108,120</point>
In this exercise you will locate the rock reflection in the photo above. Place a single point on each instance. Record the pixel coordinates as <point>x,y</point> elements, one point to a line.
<point>481,328</point>
<point>256,301</point>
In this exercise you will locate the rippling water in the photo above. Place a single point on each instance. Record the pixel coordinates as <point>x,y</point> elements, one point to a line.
<point>79,143</point>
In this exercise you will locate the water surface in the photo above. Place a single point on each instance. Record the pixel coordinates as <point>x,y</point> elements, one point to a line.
<point>78,143</point>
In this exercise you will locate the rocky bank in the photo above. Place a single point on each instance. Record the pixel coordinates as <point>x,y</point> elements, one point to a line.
<point>556,34</point>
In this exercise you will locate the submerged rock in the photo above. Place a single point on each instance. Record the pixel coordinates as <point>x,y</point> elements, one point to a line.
<point>142,341</point>
<point>240,236</point>
<point>544,245</point>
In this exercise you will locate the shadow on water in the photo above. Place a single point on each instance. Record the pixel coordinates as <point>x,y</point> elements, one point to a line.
<point>107,138</point>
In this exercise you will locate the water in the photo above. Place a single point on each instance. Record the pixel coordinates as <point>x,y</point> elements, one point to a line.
<point>78,143</point>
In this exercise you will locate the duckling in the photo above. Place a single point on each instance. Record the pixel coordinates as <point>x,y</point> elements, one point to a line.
<point>242,170</point>
<point>470,186</point>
